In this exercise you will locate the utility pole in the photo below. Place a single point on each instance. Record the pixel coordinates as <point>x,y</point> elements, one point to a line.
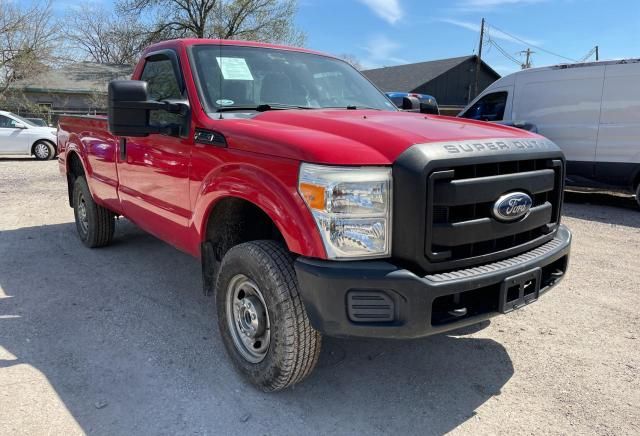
<point>597,53</point>
<point>479,59</point>
<point>527,62</point>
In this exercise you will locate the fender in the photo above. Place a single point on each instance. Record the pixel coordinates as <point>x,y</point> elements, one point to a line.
<point>277,199</point>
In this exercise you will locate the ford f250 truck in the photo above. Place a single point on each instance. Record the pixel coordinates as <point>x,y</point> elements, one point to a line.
<point>313,204</point>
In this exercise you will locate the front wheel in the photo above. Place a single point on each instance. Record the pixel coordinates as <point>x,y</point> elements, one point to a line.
<point>43,150</point>
<point>638,194</point>
<point>261,317</point>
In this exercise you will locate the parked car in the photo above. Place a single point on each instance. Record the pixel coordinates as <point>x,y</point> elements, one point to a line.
<point>314,205</point>
<point>591,110</point>
<point>428,103</point>
<point>19,136</point>
<point>38,122</point>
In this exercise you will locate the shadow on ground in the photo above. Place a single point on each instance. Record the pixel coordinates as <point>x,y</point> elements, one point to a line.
<point>604,208</point>
<point>128,342</point>
<point>17,159</point>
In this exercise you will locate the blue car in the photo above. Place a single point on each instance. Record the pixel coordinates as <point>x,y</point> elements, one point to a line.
<point>428,103</point>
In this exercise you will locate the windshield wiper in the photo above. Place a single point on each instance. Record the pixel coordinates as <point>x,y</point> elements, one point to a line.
<point>262,107</point>
<point>352,107</point>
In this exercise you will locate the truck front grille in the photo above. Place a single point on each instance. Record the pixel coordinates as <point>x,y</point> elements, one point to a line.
<point>460,229</point>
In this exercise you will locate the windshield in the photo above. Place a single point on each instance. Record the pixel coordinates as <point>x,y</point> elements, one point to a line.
<point>247,77</point>
<point>22,120</point>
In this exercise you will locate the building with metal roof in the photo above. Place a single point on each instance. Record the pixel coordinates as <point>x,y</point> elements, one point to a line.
<point>451,81</point>
<point>78,88</point>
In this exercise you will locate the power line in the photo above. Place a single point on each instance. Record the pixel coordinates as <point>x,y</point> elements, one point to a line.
<point>503,51</point>
<point>532,45</point>
<point>588,55</point>
<point>594,50</point>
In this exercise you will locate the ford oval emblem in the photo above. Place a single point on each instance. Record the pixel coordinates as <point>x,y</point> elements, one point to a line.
<point>512,206</point>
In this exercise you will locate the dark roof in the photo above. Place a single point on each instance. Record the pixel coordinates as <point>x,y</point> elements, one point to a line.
<point>81,77</point>
<point>408,77</point>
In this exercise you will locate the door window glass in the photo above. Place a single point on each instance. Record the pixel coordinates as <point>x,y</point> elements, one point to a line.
<point>7,123</point>
<point>488,108</point>
<point>162,85</point>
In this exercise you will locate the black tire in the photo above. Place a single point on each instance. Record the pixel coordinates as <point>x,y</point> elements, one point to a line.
<point>43,150</point>
<point>638,194</point>
<point>95,224</point>
<point>294,346</point>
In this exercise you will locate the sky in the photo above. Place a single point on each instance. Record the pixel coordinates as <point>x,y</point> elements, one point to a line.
<point>391,32</point>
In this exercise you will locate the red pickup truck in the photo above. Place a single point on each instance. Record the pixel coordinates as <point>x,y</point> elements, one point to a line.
<point>314,205</point>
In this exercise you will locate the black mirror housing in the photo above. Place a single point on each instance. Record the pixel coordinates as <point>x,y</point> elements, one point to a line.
<point>429,107</point>
<point>126,113</point>
<point>410,103</point>
<point>129,107</point>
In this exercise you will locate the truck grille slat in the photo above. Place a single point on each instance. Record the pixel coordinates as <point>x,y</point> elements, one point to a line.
<point>460,225</point>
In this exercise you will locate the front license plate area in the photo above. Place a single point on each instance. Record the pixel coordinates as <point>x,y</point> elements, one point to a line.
<point>520,290</point>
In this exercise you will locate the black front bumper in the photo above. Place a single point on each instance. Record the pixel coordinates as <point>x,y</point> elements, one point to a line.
<point>380,299</point>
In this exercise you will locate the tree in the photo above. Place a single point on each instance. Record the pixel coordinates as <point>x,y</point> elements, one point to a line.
<point>104,36</point>
<point>352,59</point>
<point>28,41</point>
<point>258,20</point>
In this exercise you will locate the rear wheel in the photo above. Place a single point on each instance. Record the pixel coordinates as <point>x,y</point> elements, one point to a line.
<point>638,194</point>
<point>95,224</point>
<point>261,317</point>
<point>43,150</point>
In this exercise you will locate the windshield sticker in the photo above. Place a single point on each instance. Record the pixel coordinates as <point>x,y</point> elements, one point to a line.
<point>224,102</point>
<point>234,68</point>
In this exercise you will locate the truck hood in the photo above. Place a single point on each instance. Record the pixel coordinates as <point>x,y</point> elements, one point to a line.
<point>351,137</point>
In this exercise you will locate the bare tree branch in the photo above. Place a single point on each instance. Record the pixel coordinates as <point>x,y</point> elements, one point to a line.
<point>259,20</point>
<point>105,36</point>
<point>28,41</point>
<point>352,59</point>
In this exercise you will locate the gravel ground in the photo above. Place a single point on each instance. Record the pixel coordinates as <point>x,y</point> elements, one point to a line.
<point>120,341</point>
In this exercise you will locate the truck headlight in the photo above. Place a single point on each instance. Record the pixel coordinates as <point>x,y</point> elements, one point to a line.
<point>352,208</point>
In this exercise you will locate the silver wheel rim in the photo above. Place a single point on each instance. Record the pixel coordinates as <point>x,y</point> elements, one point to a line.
<point>248,319</point>
<point>83,220</point>
<point>42,150</point>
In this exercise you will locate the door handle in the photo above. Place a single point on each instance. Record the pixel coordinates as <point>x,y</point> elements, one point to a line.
<point>123,149</point>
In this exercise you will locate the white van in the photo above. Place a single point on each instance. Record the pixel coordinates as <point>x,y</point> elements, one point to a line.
<point>591,110</point>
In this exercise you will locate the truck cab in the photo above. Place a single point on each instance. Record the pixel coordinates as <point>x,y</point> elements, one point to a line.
<point>314,205</point>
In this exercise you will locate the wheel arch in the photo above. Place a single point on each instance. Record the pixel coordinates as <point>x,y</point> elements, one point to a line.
<point>74,169</point>
<point>260,191</point>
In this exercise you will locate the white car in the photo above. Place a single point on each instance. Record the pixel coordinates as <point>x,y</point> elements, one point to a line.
<point>19,136</point>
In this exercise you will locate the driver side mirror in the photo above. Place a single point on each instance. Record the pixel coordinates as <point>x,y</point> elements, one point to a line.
<point>129,108</point>
<point>17,125</point>
<point>410,103</point>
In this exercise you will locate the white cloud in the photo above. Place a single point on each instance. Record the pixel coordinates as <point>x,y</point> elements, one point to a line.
<point>493,32</point>
<point>381,51</point>
<point>478,5</point>
<point>388,10</point>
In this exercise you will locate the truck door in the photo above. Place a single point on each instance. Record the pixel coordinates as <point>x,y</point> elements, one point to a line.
<point>617,153</point>
<point>153,171</point>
